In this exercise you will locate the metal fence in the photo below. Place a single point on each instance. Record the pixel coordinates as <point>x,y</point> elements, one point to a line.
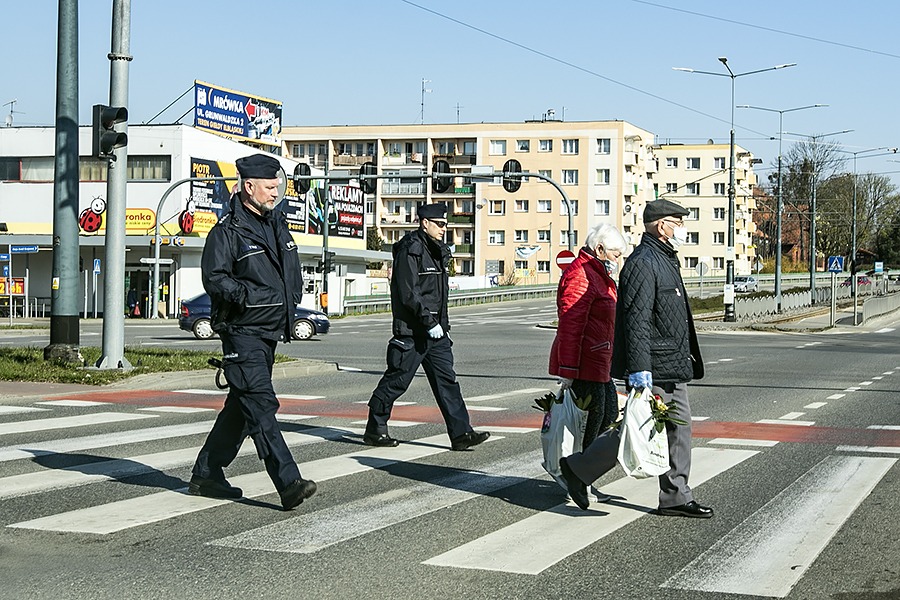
<point>354,305</point>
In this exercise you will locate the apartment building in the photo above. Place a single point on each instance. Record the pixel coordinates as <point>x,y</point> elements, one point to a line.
<point>696,176</point>
<point>605,168</point>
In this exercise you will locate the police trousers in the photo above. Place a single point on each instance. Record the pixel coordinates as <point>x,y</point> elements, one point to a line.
<point>404,355</point>
<point>249,410</point>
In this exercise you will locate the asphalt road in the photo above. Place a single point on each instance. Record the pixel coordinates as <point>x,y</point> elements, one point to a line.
<point>796,440</point>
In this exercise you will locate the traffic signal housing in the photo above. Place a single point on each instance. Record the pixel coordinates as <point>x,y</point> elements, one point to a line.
<point>440,177</point>
<point>511,180</point>
<point>301,186</point>
<point>326,263</point>
<point>105,138</point>
<point>367,185</point>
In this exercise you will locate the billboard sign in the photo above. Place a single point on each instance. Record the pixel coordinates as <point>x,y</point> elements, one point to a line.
<point>236,114</point>
<point>345,211</point>
<point>210,198</point>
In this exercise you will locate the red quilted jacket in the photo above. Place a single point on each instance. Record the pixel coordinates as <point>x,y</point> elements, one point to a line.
<point>586,306</point>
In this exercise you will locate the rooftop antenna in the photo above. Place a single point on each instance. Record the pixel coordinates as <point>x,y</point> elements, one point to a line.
<point>424,91</point>
<point>457,111</point>
<point>12,105</point>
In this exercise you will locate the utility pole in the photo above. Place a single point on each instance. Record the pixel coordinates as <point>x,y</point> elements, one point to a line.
<point>113,354</point>
<point>424,91</point>
<point>64,334</point>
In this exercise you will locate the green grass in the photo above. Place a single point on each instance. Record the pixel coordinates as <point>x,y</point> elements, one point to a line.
<point>28,364</point>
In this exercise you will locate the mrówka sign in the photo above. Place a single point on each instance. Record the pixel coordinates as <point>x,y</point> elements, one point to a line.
<point>236,114</point>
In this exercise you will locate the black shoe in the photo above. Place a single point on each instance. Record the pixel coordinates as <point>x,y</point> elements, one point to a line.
<point>294,495</point>
<point>691,509</point>
<point>577,488</point>
<point>469,439</point>
<point>213,488</point>
<point>382,441</point>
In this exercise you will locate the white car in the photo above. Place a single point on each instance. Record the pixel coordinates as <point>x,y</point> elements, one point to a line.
<point>745,283</point>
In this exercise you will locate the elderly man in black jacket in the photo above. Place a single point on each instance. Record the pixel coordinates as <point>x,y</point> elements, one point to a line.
<point>251,271</point>
<point>655,347</point>
<point>419,290</point>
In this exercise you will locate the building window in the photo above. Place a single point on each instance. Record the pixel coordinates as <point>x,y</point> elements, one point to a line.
<point>602,177</point>
<point>693,164</point>
<point>671,188</point>
<point>345,149</point>
<point>498,207</point>
<point>498,147</point>
<point>521,235</point>
<point>718,262</point>
<point>39,168</point>
<point>467,267</point>
<point>545,146</point>
<point>693,238</point>
<point>496,237</point>
<point>521,264</point>
<point>564,238</point>
<point>672,162</point>
<point>692,189</point>
<point>523,146</point>
<point>601,207</point>
<point>149,168</point>
<point>719,214</point>
<point>719,189</point>
<point>394,148</point>
<point>570,146</point>
<point>469,148</point>
<point>543,235</point>
<point>545,173</point>
<point>298,150</point>
<point>563,210</point>
<point>693,214</point>
<point>603,146</point>
<point>521,205</point>
<point>718,237</point>
<point>545,206</point>
<point>543,266</point>
<point>690,262</point>
<point>570,177</point>
<point>370,206</point>
<point>446,148</point>
<point>719,162</point>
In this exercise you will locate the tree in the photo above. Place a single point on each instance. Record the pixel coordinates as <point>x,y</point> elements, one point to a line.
<point>374,241</point>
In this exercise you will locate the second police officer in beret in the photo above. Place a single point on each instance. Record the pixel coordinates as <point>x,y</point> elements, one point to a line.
<point>419,290</point>
<point>251,271</point>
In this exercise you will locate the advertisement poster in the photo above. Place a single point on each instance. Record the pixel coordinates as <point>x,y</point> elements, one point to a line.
<point>294,208</point>
<point>345,214</point>
<point>236,114</point>
<point>210,198</point>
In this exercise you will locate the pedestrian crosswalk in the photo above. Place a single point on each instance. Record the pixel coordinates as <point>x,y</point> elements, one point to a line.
<point>55,449</point>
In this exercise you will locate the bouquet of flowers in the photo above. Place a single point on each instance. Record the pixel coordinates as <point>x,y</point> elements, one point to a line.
<point>660,413</point>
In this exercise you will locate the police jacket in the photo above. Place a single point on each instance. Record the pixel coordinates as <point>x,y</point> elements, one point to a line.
<point>586,309</point>
<point>654,327</point>
<point>419,284</point>
<point>251,270</point>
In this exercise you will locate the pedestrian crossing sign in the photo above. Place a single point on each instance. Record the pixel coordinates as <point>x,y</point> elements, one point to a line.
<point>836,264</point>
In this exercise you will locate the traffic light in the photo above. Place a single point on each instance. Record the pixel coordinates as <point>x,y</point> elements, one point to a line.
<point>301,186</point>
<point>329,262</point>
<point>106,139</point>
<point>367,185</point>
<point>512,182</point>
<point>440,182</point>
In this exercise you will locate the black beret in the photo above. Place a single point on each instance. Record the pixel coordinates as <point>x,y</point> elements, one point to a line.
<point>432,211</point>
<point>658,209</point>
<point>258,166</point>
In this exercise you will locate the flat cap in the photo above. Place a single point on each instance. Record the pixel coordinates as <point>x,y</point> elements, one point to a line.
<point>258,166</point>
<point>432,211</point>
<point>658,209</point>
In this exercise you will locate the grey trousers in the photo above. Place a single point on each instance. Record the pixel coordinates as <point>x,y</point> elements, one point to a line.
<point>674,490</point>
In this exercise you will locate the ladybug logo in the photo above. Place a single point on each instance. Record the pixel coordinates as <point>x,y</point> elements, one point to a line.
<point>186,218</point>
<point>91,218</point>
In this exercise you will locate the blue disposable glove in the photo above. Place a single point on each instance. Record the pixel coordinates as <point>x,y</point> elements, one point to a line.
<point>641,379</point>
<point>436,332</point>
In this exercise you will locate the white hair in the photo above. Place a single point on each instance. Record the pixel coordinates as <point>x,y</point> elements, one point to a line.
<point>605,235</point>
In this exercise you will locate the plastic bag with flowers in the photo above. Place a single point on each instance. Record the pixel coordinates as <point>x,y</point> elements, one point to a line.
<point>562,430</point>
<point>643,444</point>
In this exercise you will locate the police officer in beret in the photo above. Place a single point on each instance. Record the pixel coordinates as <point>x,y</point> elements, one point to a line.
<point>251,271</point>
<point>655,346</point>
<point>419,289</point>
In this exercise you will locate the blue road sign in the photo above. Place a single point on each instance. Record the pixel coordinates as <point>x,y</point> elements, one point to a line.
<point>4,257</point>
<point>6,270</point>
<point>836,264</point>
<point>96,266</point>
<point>23,249</point>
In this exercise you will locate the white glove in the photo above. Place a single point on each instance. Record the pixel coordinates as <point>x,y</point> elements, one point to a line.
<point>564,383</point>
<point>436,332</point>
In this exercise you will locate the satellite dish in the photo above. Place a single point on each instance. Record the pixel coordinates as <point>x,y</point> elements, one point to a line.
<point>9,120</point>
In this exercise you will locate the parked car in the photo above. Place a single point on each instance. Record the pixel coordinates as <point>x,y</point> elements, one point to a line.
<point>860,280</point>
<point>194,317</point>
<point>745,283</point>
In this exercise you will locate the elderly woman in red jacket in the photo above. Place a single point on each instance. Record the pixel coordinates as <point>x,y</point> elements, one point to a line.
<point>586,307</point>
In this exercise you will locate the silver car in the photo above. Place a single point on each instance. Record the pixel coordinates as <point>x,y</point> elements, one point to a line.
<point>745,283</point>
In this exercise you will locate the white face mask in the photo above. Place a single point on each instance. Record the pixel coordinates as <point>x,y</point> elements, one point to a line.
<point>679,237</point>
<point>610,265</point>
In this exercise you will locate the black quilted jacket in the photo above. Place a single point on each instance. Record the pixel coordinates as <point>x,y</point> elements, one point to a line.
<point>654,327</point>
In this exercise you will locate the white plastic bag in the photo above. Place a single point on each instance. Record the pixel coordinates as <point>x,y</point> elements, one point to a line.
<point>643,452</point>
<point>562,433</point>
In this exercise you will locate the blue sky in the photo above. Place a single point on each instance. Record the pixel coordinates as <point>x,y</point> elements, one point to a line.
<point>363,61</point>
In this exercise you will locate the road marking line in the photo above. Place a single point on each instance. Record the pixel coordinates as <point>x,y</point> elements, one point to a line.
<point>870,449</point>
<point>73,421</point>
<point>852,389</point>
<point>143,510</point>
<point>693,418</point>
<point>768,553</point>
<point>393,423</point>
<point>502,429</point>
<point>888,373</point>
<point>536,543</point>
<point>890,427</point>
<point>726,359</point>
<point>204,392</point>
<point>14,410</point>
<point>308,533</point>
<point>300,397</point>
<point>291,418</point>
<point>521,392</point>
<point>885,330</point>
<point>835,396</point>
<point>175,409</point>
<point>816,405</point>
<point>865,383</point>
<point>397,403</point>
<point>486,408</point>
<point>741,442</point>
<point>72,403</point>
<point>780,422</point>
<point>791,416</point>
<point>878,378</point>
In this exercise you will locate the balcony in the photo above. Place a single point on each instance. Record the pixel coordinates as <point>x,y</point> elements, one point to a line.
<point>465,249</point>
<point>461,218</point>
<point>457,159</point>
<point>348,160</point>
<point>393,188</point>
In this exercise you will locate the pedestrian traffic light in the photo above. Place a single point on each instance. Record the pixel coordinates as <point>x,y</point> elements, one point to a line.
<point>367,185</point>
<point>511,181</point>
<point>329,261</point>
<point>301,186</point>
<point>440,182</point>
<point>106,139</point>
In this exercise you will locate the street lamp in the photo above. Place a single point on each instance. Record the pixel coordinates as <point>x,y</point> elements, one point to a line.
<point>729,252</point>
<point>778,214</point>
<point>812,207</point>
